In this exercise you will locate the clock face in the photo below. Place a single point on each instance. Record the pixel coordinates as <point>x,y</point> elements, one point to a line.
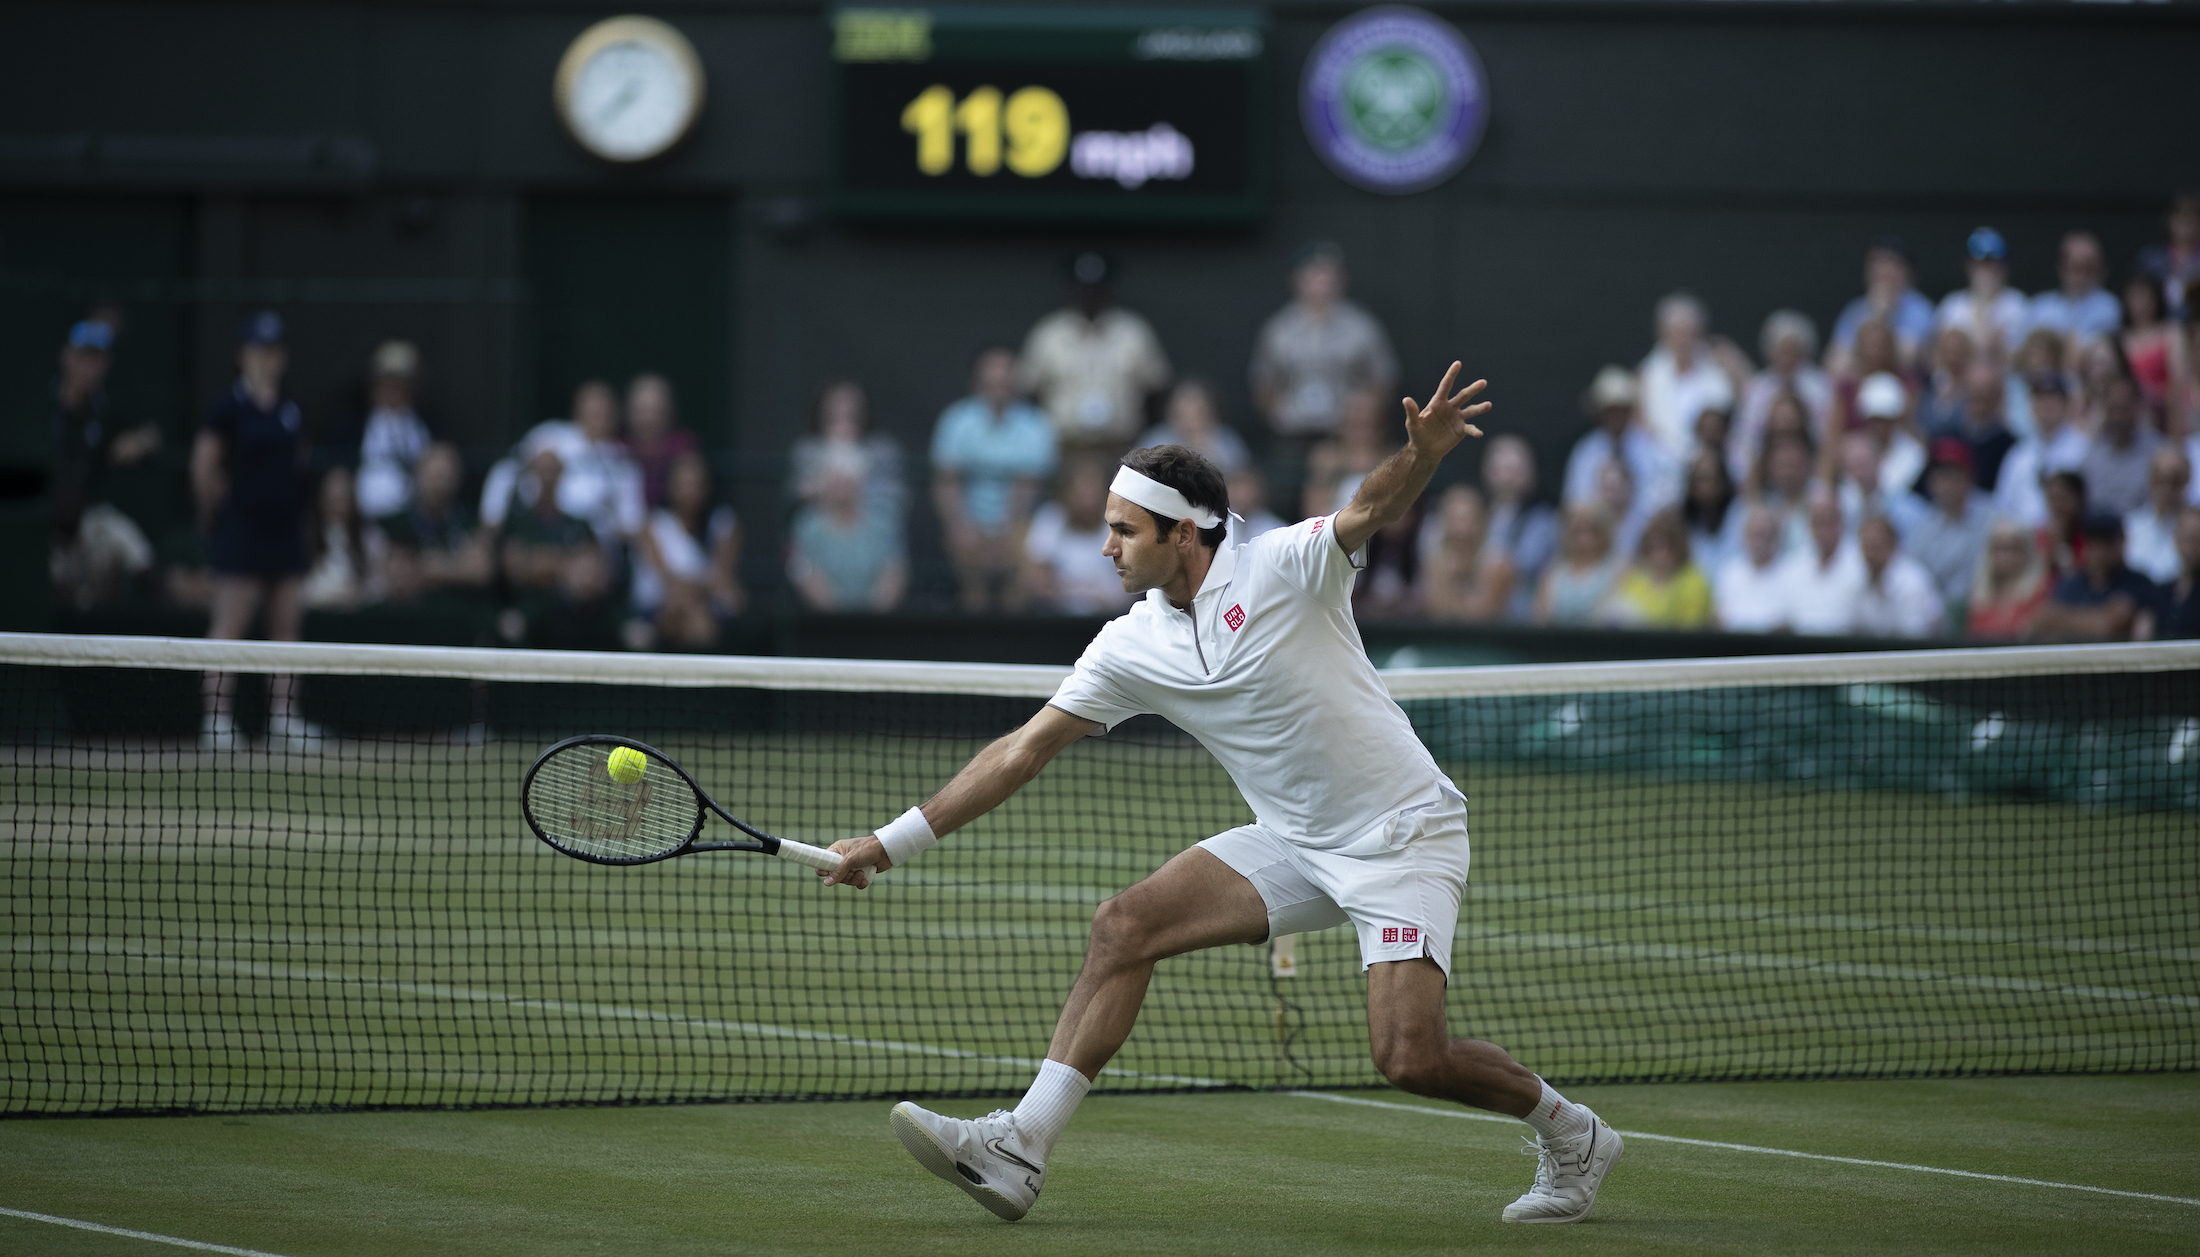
<point>629,88</point>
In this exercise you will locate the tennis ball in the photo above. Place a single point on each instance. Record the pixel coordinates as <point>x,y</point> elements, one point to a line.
<point>626,765</point>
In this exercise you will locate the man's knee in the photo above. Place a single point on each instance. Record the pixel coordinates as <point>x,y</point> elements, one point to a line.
<point>1120,931</point>
<point>1411,1062</point>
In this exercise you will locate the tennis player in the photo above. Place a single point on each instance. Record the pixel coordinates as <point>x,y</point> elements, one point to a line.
<point>1252,650</point>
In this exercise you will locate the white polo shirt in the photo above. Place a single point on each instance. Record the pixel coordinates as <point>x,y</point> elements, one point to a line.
<point>1267,671</point>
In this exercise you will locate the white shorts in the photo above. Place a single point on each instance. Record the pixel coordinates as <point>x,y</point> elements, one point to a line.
<point>1398,883</point>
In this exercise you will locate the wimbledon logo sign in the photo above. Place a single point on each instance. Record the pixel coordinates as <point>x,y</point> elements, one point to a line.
<point>1394,100</point>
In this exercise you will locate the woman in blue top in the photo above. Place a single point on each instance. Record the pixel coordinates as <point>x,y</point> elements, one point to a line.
<point>245,471</point>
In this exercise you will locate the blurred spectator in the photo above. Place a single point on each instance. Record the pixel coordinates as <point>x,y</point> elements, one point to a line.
<point>98,555</point>
<point>2180,600</point>
<point>1612,402</point>
<point>2080,310</point>
<point>1833,574</point>
<point>1663,589</point>
<point>2116,460</point>
<point>2150,533</point>
<point>1884,403</point>
<point>654,439</point>
<point>1790,343</point>
<point>1249,498</point>
<point>1988,309</point>
<point>1522,531</point>
<point>992,453</point>
<point>1755,589</point>
<point>553,561</point>
<point>2056,445</point>
<point>434,545</point>
<point>1066,571</point>
<point>1899,598</point>
<point>2062,537</point>
<point>1194,421</point>
<point>1681,378</point>
<point>1985,427</point>
<point>1468,580</point>
<point>245,467</point>
<point>344,567</point>
<point>840,426</point>
<point>685,589</point>
<point>1630,513</point>
<point>1940,403</point>
<point>1889,300</point>
<point>1312,355</point>
<point>2103,601</point>
<point>394,435</point>
<point>1335,467</point>
<point>1706,510</point>
<point>1092,365</point>
<point>2010,588</point>
<point>1781,484</point>
<point>1874,355</point>
<point>1857,490</point>
<point>2175,263</point>
<point>1389,586</point>
<point>597,481</point>
<point>1575,585</point>
<point>1949,538</point>
<point>846,552</point>
<point>87,440</point>
<point>2154,347</point>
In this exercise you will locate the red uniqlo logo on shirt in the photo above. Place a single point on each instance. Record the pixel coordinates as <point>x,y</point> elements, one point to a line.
<point>1234,617</point>
<point>1390,933</point>
<point>1318,525</point>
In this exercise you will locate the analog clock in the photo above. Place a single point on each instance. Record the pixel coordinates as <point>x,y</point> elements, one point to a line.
<point>629,88</point>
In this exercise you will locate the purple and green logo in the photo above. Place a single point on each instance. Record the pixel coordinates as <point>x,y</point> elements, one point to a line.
<point>1394,99</point>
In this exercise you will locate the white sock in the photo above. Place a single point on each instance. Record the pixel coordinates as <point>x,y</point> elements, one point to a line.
<point>1045,1109</point>
<point>1555,1116</point>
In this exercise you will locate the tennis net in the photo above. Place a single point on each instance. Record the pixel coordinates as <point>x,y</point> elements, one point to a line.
<point>1867,865</point>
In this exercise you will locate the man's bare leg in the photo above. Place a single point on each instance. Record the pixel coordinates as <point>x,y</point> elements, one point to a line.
<point>1194,901</point>
<point>1415,1050</point>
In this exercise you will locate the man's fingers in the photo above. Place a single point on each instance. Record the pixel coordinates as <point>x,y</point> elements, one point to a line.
<point>1444,389</point>
<point>1413,408</point>
<point>1473,431</point>
<point>1477,410</point>
<point>1469,391</point>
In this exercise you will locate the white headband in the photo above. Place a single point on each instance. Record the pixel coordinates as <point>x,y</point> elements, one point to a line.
<point>1136,486</point>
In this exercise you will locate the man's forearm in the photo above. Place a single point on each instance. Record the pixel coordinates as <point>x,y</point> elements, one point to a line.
<point>1385,496</point>
<point>984,783</point>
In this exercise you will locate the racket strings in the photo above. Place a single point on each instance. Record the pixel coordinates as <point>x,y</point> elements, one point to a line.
<point>581,809</point>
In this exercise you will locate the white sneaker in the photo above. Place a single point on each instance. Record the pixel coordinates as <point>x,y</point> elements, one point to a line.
<point>297,734</point>
<point>218,732</point>
<point>1567,1175</point>
<point>983,1156</point>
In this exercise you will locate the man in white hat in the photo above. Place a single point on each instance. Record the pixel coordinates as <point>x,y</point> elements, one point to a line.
<point>1612,401</point>
<point>1252,650</point>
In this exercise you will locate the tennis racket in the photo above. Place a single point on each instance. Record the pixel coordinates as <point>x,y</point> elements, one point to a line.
<point>637,810</point>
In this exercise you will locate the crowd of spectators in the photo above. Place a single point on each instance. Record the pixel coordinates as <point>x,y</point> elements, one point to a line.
<point>1989,466</point>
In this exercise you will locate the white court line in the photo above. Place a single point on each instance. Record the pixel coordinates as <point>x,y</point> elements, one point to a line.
<point>610,1011</point>
<point>1770,1152</point>
<point>152,1236</point>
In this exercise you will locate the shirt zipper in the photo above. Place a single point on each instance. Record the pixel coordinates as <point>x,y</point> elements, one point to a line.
<point>1193,613</point>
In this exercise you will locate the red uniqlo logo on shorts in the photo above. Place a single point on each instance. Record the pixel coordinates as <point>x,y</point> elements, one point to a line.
<point>1409,935</point>
<point>1235,618</point>
<point>1390,933</point>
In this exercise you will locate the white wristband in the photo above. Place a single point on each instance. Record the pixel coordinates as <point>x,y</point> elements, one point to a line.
<point>906,836</point>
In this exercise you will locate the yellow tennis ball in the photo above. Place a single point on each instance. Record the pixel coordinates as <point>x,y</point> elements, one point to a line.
<point>626,765</point>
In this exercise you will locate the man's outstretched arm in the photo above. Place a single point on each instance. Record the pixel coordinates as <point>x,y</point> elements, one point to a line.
<point>992,775</point>
<point>1432,431</point>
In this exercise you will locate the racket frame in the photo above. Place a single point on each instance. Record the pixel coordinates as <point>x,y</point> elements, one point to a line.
<point>760,841</point>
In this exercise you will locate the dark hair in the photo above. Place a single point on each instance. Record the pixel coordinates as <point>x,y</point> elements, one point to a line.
<point>1710,518</point>
<point>1185,471</point>
<point>2155,288</point>
<point>826,390</point>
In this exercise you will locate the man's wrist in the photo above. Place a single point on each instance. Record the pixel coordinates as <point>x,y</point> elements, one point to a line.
<point>907,836</point>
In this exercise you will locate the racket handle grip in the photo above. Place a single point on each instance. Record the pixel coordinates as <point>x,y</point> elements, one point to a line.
<point>804,853</point>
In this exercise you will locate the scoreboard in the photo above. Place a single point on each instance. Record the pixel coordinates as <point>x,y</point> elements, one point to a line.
<point>1053,114</point>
